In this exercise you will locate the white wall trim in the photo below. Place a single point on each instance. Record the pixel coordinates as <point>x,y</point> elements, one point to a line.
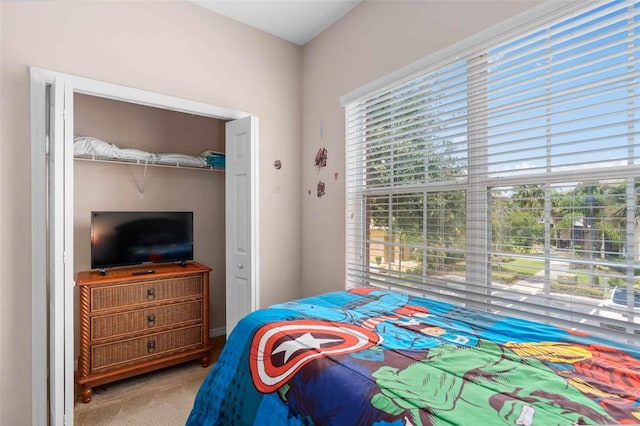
<point>217,331</point>
<point>143,97</point>
<point>39,319</point>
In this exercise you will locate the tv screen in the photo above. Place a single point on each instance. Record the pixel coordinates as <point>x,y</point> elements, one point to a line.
<point>121,238</point>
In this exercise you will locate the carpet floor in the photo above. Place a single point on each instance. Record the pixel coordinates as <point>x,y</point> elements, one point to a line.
<point>163,397</point>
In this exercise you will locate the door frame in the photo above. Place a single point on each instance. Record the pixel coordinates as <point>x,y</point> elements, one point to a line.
<point>44,310</point>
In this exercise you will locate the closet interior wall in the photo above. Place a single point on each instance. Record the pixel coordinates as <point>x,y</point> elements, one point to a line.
<point>100,186</point>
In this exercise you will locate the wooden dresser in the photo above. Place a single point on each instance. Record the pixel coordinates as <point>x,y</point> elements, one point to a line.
<point>132,322</point>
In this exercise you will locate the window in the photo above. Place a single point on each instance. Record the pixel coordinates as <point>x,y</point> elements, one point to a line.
<point>508,178</point>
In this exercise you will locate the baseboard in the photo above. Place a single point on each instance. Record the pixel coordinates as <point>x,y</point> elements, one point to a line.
<point>218,331</point>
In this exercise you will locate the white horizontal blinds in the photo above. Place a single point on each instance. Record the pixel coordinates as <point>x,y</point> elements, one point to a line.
<point>413,136</point>
<point>563,98</point>
<point>506,179</point>
<point>560,249</point>
<point>414,132</point>
<point>562,119</point>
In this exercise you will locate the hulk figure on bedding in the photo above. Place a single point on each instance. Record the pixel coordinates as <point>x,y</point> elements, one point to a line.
<point>426,393</point>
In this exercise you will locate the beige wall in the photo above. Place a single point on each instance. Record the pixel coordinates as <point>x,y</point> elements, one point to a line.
<point>373,40</point>
<point>131,125</point>
<point>174,48</point>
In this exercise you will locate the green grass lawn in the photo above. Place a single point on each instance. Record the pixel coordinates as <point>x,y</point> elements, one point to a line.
<point>521,267</point>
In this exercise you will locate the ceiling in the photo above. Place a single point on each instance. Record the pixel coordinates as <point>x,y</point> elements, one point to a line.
<point>297,21</point>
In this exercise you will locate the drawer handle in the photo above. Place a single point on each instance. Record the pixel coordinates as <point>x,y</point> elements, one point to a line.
<point>151,346</point>
<point>151,319</point>
<point>151,293</point>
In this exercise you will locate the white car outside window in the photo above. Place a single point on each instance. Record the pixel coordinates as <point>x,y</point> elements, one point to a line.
<point>616,308</point>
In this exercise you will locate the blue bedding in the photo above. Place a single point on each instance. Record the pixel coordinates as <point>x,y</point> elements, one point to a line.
<point>378,357</point>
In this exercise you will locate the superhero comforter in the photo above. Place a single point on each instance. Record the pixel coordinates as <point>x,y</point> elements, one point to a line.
<point>378,357</point>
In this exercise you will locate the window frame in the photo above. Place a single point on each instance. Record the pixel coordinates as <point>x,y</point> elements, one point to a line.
<point>480,180</point>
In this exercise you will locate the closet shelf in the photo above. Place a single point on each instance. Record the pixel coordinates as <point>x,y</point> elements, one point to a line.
<point>145,163</point>
<point>94,149</point>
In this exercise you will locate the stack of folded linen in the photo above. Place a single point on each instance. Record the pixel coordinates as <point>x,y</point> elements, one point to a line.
<point>215,160</point>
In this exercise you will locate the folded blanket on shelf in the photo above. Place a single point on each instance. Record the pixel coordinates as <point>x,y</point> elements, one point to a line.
<point>216,160</point>
<point>94,148</point>
<point>181,160</point>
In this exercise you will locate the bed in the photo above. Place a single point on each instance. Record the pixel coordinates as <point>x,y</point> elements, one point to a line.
<point>373,356</point>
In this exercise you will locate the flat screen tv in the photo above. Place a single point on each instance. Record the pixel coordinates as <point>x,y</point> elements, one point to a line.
<point>122,238</point>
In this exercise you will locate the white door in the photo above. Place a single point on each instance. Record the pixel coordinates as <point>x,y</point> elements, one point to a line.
<point>241,195</point>
<point>60,277</point>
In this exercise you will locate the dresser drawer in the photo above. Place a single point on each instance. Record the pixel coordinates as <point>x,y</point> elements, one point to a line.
<point>117,296</point>
<point>109,326</point>
<point>150,346</point>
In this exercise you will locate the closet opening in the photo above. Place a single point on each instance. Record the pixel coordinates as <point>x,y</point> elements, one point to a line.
<point>132,182</point>
<point>64,190</point>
